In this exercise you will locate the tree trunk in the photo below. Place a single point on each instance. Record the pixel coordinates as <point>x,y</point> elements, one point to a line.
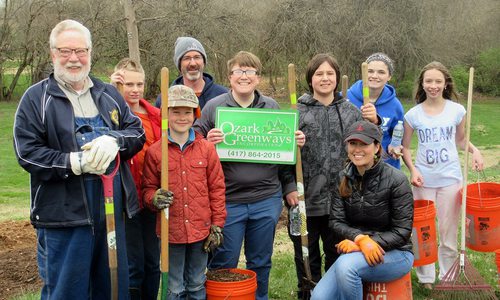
<point>271,81</point>
<point>9,93</point>
<point>132,31</point>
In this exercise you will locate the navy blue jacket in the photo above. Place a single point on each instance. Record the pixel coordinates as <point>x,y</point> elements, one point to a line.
<point>44,136</point>
<point>210,90</point>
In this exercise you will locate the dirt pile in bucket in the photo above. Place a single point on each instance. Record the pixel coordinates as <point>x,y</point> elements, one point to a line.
<point>226,276</point>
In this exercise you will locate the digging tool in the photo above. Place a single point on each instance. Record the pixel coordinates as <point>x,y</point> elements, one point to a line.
<point>366,89</point>
<point>164,182</point>
<point>307,282</point>
<point>345,85</point>
<point>463,281</point>
<point>109,208</point>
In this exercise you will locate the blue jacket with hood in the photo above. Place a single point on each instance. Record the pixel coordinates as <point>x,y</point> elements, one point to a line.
<point>210,90</point>
<point>389,109</point>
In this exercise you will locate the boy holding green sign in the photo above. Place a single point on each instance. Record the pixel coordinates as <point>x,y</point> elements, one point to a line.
<point>253,190</point>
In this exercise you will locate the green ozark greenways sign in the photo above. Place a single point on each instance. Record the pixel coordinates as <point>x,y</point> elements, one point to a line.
<point>257,135</point>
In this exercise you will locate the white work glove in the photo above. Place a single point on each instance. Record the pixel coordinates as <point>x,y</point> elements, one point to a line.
<point>102,151</point>
<point>80,165</point>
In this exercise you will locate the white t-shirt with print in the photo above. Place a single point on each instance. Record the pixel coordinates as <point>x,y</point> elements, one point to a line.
<point>437,155</point>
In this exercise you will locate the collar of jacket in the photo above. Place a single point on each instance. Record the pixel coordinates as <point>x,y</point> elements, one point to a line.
<point>257,103</point>
<point>209,81</point>
<point>308,99</point>
<point>351,172</point>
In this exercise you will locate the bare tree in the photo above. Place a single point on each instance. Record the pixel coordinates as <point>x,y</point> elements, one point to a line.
<point>278,31</point>
<point>20,42</point>
<point>132,31</point>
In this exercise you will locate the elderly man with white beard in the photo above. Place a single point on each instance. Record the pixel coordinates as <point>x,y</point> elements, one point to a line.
<point>68,130</point>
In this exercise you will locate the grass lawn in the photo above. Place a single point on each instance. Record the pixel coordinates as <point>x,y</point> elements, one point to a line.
<point>14,196</point>
<point>14,192</point>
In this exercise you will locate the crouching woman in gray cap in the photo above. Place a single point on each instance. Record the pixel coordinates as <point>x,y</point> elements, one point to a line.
<point>373,214</point>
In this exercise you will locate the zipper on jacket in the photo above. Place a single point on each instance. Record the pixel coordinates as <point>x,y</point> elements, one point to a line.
<point>362,190</point>
<point>82,184</point>
<point>329,159</point>
<point>340,120</point>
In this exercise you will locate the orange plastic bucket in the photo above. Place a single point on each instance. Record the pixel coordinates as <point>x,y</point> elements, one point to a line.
<point>399,289</point>
<point>423,235</point>
<point>236,290</point>
<point>483,216</point>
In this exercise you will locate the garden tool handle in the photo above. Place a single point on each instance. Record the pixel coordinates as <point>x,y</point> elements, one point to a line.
<point>107,183</point>
<point>107,179</point>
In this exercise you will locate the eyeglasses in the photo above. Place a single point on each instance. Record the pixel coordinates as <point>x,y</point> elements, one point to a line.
<point>196,58</point>
<point>239,72</point>
<point>66,52</point>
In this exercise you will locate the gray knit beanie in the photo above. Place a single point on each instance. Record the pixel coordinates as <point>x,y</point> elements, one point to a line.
<point>379,56</point>
<point>185,44</point>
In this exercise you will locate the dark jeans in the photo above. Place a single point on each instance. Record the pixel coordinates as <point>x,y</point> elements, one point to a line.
<point>73,261</point>
<point>317,228</point>
<point>187,271</point>
<point>254,224</point>
<point>143,251</point>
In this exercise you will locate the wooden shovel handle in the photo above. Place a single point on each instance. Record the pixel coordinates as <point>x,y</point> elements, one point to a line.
<point>364,77</point>
<point>164,168</point>
<point>466,156</point>
<point>291,86</point>
<point>345,85</point>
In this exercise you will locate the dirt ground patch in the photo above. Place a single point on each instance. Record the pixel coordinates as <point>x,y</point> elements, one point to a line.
<point>18,268</point>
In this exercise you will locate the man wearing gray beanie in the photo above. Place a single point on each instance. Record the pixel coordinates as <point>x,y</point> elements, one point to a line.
<point>190,59</point>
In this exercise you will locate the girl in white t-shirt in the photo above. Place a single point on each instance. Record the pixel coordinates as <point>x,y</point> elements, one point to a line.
<point>439,125</point>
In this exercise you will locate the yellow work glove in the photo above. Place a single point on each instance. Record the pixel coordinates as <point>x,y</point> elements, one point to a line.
<point>374,254</point>
<point>347,246</point>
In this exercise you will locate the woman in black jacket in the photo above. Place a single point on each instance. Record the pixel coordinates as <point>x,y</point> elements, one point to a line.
<point>373,214</point>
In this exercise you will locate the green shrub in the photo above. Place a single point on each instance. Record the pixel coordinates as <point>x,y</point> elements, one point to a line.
<point>487,73</point>
<point>404,89</point>
<point>460,76</point>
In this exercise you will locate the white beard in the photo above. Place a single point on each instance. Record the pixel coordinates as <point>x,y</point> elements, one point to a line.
<point>71,78</point>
